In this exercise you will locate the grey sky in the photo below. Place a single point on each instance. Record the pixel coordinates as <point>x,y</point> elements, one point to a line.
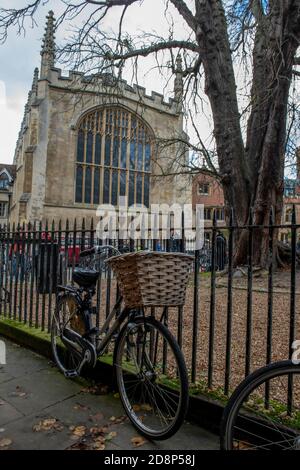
<point>21,54</point>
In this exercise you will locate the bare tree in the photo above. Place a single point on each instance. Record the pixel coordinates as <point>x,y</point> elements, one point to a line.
<point>263,34</point>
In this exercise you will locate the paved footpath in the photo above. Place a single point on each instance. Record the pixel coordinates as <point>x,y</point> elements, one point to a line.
<point>40,409</point>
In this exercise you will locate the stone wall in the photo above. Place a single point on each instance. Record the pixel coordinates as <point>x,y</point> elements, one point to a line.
<point>45,157</point>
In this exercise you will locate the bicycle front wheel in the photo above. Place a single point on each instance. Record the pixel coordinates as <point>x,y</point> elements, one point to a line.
<point>152,378</point>
<point>263,412</point>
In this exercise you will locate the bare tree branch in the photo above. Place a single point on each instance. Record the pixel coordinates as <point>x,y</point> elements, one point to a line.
<point>186,13</point>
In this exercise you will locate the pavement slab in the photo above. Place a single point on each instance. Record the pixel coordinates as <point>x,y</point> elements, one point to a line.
<point>41,410</point>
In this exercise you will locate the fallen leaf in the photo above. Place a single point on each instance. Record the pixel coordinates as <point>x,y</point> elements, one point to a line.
<point>136,408</point>
<point>5,442</point>
<point>146,407</point>
<point>79,431</point>
<point>112,418</point>
<point>120,419</point>
<point>18,393</point>
<point>48,425</point>
<point>97,430</point>
<point>110,436</point>
<point>97,417</point>
<point>80,407</point>
<point>138,441</point>
<point>98,445</point>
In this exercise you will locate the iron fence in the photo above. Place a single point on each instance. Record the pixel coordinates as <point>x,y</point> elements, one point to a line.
<point>233,320</point>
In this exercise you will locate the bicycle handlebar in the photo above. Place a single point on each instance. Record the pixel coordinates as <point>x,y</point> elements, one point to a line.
<point>97,250</point>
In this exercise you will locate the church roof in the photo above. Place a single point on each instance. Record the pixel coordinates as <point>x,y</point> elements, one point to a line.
<point>11,169</point>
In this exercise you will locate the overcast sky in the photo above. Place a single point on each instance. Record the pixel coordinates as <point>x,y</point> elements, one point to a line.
<point>21,54</point>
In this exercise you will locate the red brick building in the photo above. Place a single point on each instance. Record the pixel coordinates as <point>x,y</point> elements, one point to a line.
<point>208,191</point>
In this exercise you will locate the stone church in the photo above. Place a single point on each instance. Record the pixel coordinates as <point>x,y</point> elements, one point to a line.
<point>86,140</point>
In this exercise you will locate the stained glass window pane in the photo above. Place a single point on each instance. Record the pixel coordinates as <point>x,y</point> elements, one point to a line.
<point>89,148</point>
<point>116,152</point>
<point>107,150</point>
<point>123,183</point>
<point>114,189</point>
<point>98,149</point>
<point>132,155</point>
<point>80,146</point>
<point>140,157</point>
<point>139,181</point>
<point>123,153</point>
<point>78,195</point>
<point>106,186</point>
<point>96,197</point>
<point>131,188</point>
<point>146,190</point>
<point>147,157</point>
<point>88,185</point>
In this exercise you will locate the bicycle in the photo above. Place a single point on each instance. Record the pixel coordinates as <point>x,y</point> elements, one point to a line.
<point>262,413</point>
<point>151,401</point>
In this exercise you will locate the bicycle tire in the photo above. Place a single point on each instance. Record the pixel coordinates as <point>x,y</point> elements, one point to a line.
<point>63,357</point>
<point>242,392</point>
<point>140,425</point>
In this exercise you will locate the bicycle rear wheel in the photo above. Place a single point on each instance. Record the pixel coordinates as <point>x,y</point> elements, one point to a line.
<point>66,317</point>
<point>152,378</point>
<point>262,413</point>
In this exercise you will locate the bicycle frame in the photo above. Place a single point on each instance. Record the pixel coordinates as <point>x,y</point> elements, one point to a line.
<point>109,332</point>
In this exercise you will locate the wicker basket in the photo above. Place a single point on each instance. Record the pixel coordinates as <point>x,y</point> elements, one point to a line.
<point>151,278</point>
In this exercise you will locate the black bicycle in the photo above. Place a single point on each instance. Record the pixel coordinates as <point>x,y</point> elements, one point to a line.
<point>263,412</point>
<point>155,399</point>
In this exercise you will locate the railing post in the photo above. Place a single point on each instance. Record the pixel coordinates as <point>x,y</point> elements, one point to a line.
<point>229,304</point>
<point>270,300</point>
<point>249,296</point>
<point>212,303</point>
<point>292,305</point>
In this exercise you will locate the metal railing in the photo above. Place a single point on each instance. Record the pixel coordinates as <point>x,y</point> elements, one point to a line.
<point>233,321</point>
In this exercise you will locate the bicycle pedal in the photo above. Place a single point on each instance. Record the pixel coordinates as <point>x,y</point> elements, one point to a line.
<point>71,374</point>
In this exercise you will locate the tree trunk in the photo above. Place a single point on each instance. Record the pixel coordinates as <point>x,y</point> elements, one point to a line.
<point>252,175</point>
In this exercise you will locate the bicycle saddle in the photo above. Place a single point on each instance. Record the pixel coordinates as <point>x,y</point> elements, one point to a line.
<point>85,277</point>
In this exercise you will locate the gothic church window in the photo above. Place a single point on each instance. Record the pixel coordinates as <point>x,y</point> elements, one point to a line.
<point>113,158</point>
